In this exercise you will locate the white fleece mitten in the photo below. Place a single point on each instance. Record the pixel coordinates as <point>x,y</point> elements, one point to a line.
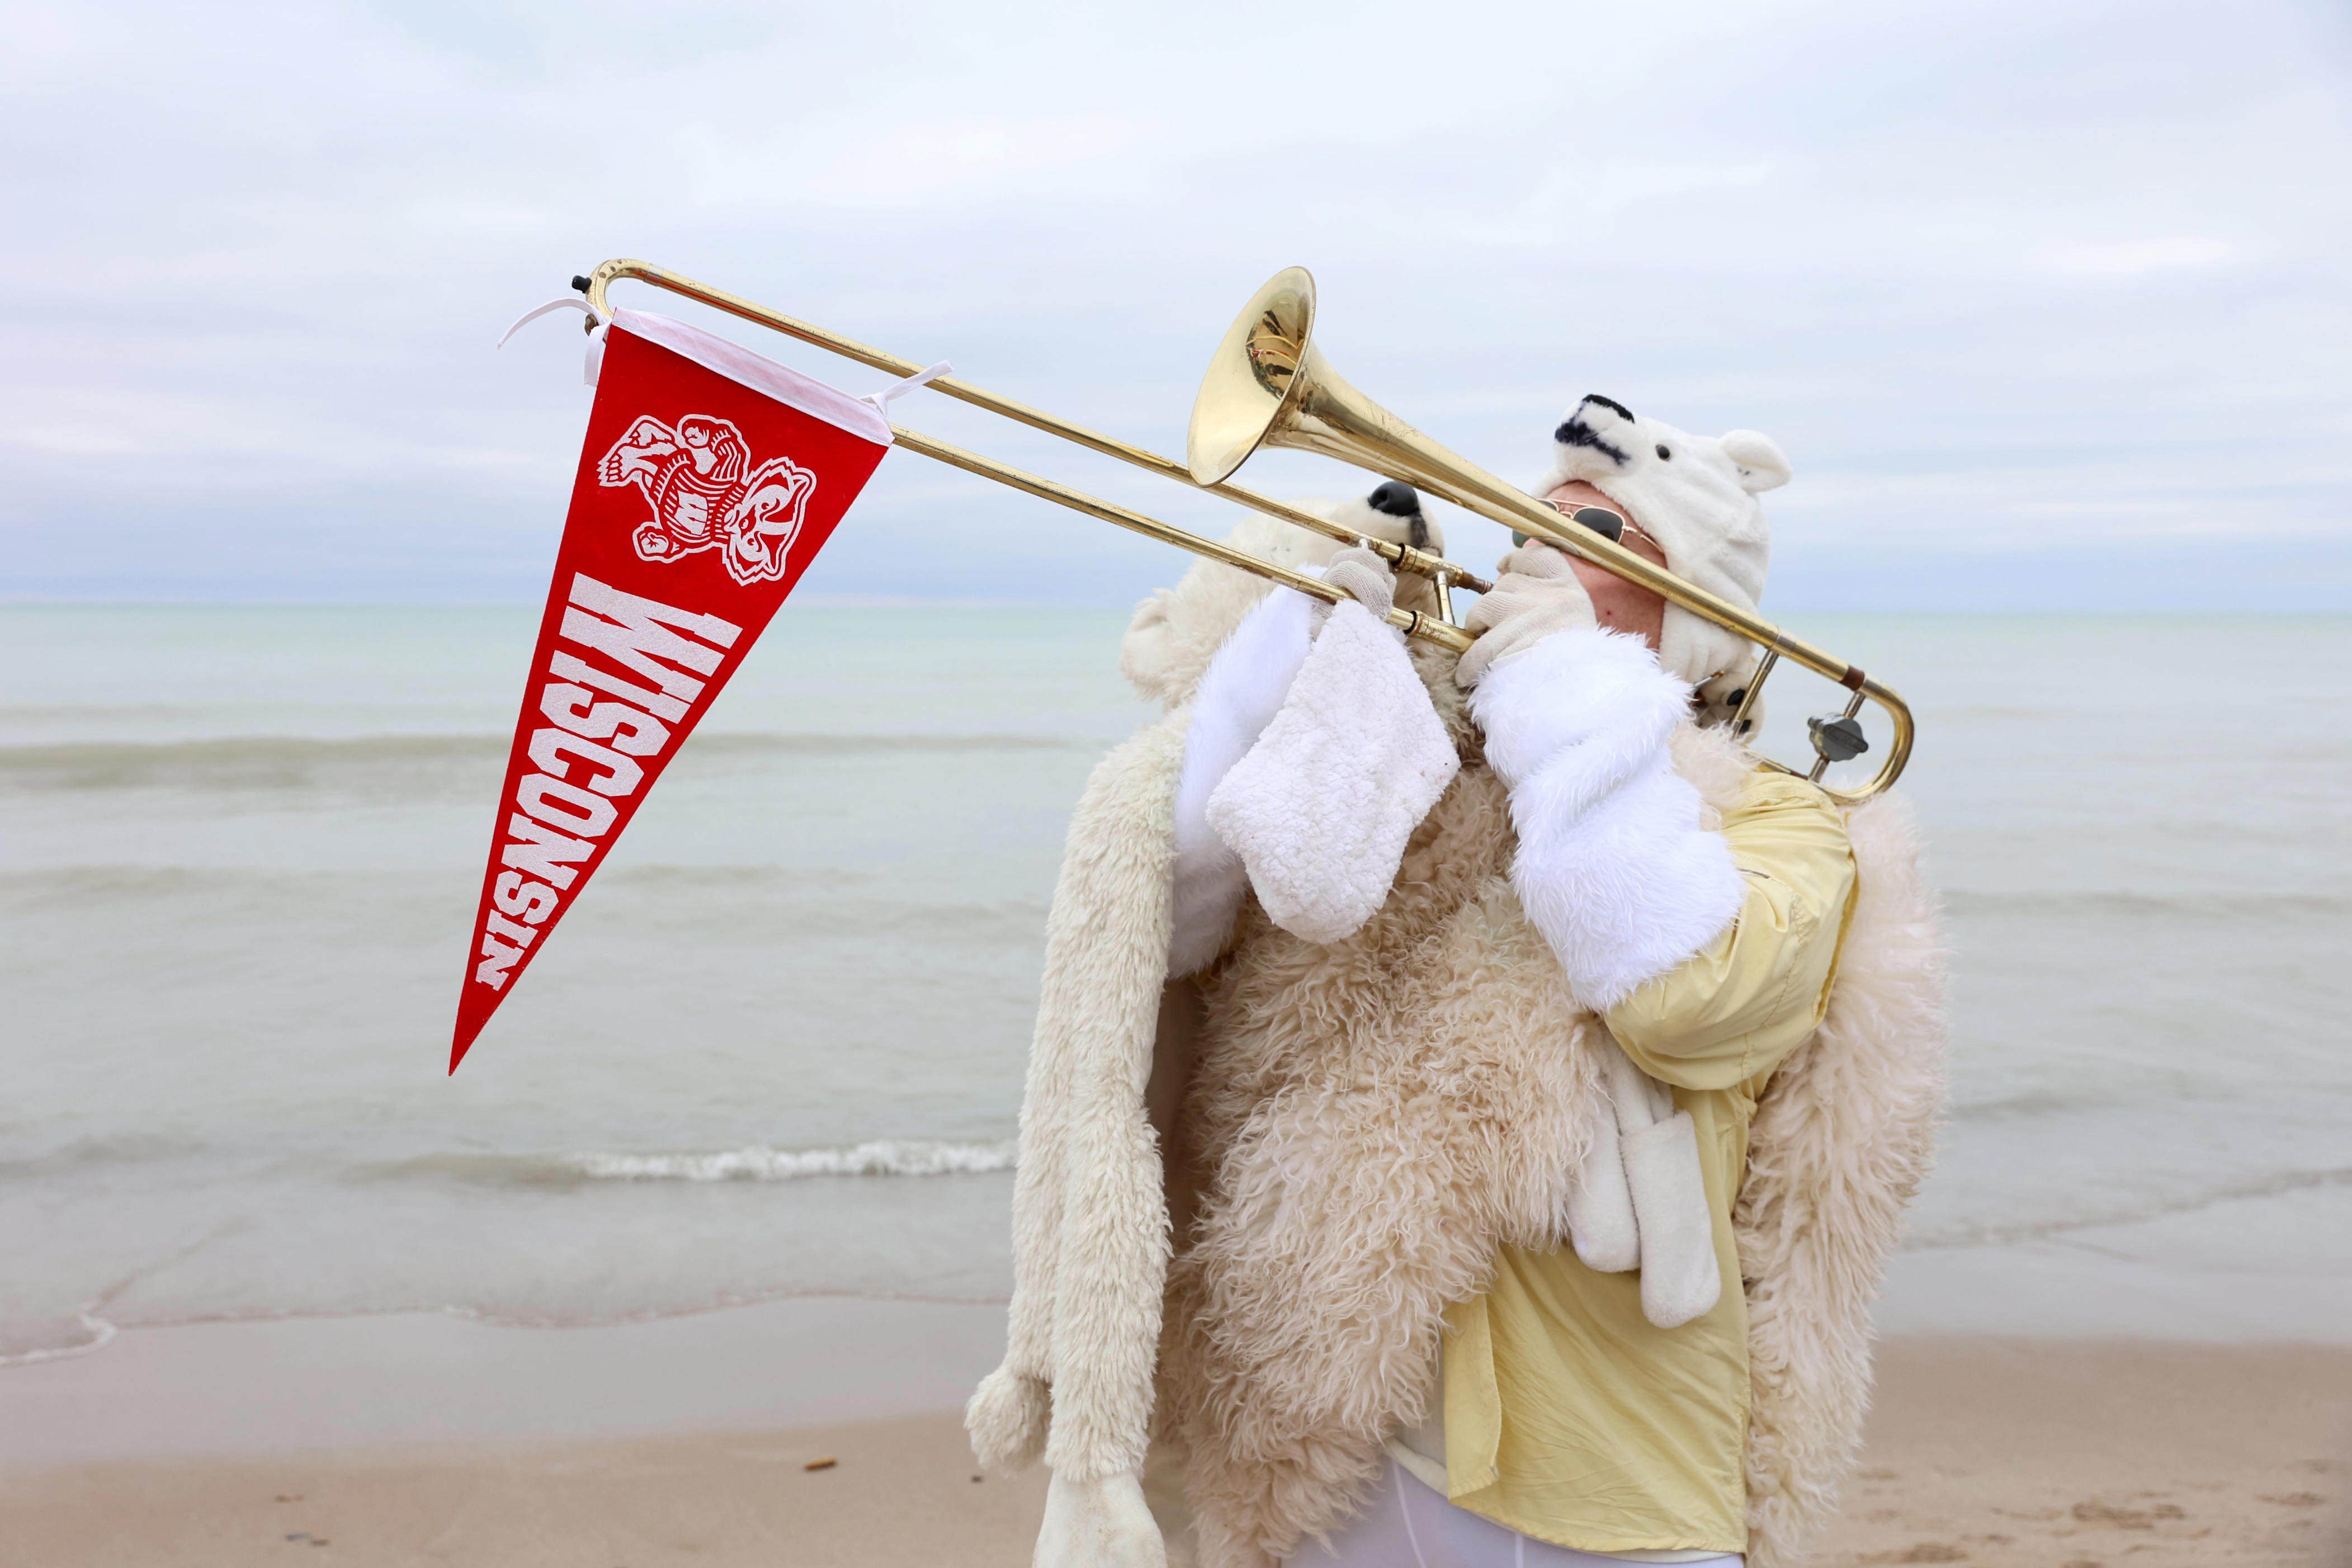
<point>1613,867</point>
<point>1321,808</point>
<point>1099,1524</point>
<point>1237,697</point>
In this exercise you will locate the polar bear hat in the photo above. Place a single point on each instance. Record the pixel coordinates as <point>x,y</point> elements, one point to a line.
<point>1696,495</point>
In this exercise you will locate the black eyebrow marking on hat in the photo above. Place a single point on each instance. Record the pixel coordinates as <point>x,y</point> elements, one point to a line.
<point>1576,432</point>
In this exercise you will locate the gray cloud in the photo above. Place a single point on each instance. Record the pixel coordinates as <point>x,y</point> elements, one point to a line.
<point>2049,305</point>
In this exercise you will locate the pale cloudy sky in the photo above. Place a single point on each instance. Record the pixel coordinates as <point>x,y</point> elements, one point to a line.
<point>2049,303</point>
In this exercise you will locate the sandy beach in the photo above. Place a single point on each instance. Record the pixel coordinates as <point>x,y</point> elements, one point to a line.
<point>421,1439</point>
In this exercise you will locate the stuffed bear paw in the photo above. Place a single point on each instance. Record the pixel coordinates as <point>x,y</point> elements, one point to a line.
<point>1100,1523</point>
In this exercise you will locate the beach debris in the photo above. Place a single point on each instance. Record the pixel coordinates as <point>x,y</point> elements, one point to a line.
<point>975,1478</point>
<point>299,1535</point>
<point>2126,1518</point>
<point>825,1464</point>
<point>2294,1499</point>
<point>1933,1552</point>
<point>290,1497</point>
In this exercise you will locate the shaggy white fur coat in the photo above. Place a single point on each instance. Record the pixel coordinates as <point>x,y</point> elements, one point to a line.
<point>1336,1187</point>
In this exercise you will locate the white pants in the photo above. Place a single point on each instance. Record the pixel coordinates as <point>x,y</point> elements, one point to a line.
<point>1410,1526</point>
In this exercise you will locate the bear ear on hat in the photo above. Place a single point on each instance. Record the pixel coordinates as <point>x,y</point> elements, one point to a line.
<point>1761,466</point>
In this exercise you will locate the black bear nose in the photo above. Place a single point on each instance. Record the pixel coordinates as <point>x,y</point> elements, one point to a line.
<point>1396,499</point>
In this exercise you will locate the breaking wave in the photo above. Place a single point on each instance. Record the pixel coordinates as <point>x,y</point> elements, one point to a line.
<point>2109,904</point>
<point>753,1163</point>
<point>1929,1232</point>
<point>883,1157</point>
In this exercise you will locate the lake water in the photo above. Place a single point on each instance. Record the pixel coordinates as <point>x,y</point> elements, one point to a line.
<point>778,1048</point>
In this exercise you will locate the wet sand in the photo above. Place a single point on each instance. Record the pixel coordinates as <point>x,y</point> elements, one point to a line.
<point>2067,1454</point>
<point>400,1441</point>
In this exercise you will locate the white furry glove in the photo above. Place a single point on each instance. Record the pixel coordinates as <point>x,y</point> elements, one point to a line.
<point>1613,867</point>
<point>1535,593</point>
<point>1370,579</point>
<point>1099,1524</point>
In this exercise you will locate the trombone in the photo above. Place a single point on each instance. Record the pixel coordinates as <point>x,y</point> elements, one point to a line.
<point>1269,386</point>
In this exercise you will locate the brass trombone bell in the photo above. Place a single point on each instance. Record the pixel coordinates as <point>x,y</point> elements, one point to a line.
<point>1269,386</point>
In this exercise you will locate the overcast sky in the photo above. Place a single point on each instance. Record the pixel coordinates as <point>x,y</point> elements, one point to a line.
<point>2050,304</point>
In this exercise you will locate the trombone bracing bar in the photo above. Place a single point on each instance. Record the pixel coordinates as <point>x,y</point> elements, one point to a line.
<point>1268,386</point>
<point>1531,516</point>
<point>1445,573</point>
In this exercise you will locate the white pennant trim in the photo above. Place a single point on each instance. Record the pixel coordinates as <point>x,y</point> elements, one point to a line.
<point>866,416</point>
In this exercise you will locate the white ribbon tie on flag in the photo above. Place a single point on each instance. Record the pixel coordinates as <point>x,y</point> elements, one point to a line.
<point>595,360</point>
<point>929,372</point>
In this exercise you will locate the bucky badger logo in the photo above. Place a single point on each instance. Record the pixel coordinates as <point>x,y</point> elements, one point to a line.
<point>706,495</point>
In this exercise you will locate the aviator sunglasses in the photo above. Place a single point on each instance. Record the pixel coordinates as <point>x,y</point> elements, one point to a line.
<point>1608,524</point>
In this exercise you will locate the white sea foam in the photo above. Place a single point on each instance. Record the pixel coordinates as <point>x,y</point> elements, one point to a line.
<point>883,1157</point>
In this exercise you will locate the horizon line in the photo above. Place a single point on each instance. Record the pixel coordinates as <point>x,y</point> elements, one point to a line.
<point>894,602</point>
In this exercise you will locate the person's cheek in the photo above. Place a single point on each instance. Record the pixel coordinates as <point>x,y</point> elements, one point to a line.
<point>1597,584</point>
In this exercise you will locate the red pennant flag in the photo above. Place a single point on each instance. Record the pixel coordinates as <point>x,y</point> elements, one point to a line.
<point>709,480</point>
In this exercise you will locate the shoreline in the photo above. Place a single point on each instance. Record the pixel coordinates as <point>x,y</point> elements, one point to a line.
<point>2174,1393</point>
<point>2274,1268</point>
<point>421,1440</point>
<point>404,1379</point>
<point>2264,1272</point>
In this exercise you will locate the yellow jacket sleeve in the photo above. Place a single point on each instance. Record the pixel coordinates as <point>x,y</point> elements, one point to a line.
<point>1735,1008</point>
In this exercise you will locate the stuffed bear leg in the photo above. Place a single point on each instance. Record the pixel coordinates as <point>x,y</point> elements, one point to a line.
<point>1601,1223</point>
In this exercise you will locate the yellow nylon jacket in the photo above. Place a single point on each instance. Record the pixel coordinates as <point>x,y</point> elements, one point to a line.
<point>1569,1417</point>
